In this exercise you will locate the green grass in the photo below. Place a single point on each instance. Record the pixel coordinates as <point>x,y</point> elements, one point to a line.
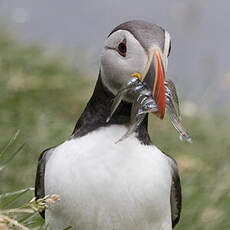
<point>43,96</point>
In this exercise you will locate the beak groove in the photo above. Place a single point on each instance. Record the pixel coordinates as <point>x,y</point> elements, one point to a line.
<point>154,80</point>
<point>159,87</point>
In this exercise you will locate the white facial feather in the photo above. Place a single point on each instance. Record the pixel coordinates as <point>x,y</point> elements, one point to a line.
<point>116,69</point>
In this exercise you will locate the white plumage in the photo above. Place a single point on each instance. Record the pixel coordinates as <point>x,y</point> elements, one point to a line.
<point>123,186</point>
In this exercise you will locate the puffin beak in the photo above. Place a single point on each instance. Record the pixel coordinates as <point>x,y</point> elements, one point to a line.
<point>154,79</point>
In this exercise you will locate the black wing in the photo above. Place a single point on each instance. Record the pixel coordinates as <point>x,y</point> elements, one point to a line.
<point>39,181</point>
<point>175,198</point>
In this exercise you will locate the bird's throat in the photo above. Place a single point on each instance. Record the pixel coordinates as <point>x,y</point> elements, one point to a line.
<point>97,111</point>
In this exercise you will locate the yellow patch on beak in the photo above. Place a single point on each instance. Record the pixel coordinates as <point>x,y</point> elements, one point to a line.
<point>138,75</point>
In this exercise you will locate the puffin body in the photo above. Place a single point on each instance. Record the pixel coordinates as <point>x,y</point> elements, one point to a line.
<point>111,186</point>
<point>104,184</point>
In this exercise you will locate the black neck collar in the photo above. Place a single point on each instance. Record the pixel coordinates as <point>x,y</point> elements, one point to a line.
<point>97,110</point>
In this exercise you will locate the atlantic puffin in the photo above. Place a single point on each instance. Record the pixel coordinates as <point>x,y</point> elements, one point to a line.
<point>104,184</point>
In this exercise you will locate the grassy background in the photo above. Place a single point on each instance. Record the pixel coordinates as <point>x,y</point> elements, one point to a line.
<point>43,95</point>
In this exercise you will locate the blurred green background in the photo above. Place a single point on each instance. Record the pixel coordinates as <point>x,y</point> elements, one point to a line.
<point>42,95</point>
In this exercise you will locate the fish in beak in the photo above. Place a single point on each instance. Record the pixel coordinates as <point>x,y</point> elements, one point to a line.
<point>150,93</point>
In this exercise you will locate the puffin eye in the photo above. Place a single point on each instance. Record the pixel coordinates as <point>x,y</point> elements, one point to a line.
<point>169,49</point>
<point>122,49</point>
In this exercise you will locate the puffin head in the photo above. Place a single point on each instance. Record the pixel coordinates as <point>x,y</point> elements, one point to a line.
<point>137,49</point>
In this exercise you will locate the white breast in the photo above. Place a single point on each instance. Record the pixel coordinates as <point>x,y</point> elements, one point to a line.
<point>108,186</point>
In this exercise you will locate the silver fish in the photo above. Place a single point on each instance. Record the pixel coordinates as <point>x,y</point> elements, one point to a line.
<point>133,87</point>
<point>143,103</point>
<point>173,110</point>
<point>170,92</point>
